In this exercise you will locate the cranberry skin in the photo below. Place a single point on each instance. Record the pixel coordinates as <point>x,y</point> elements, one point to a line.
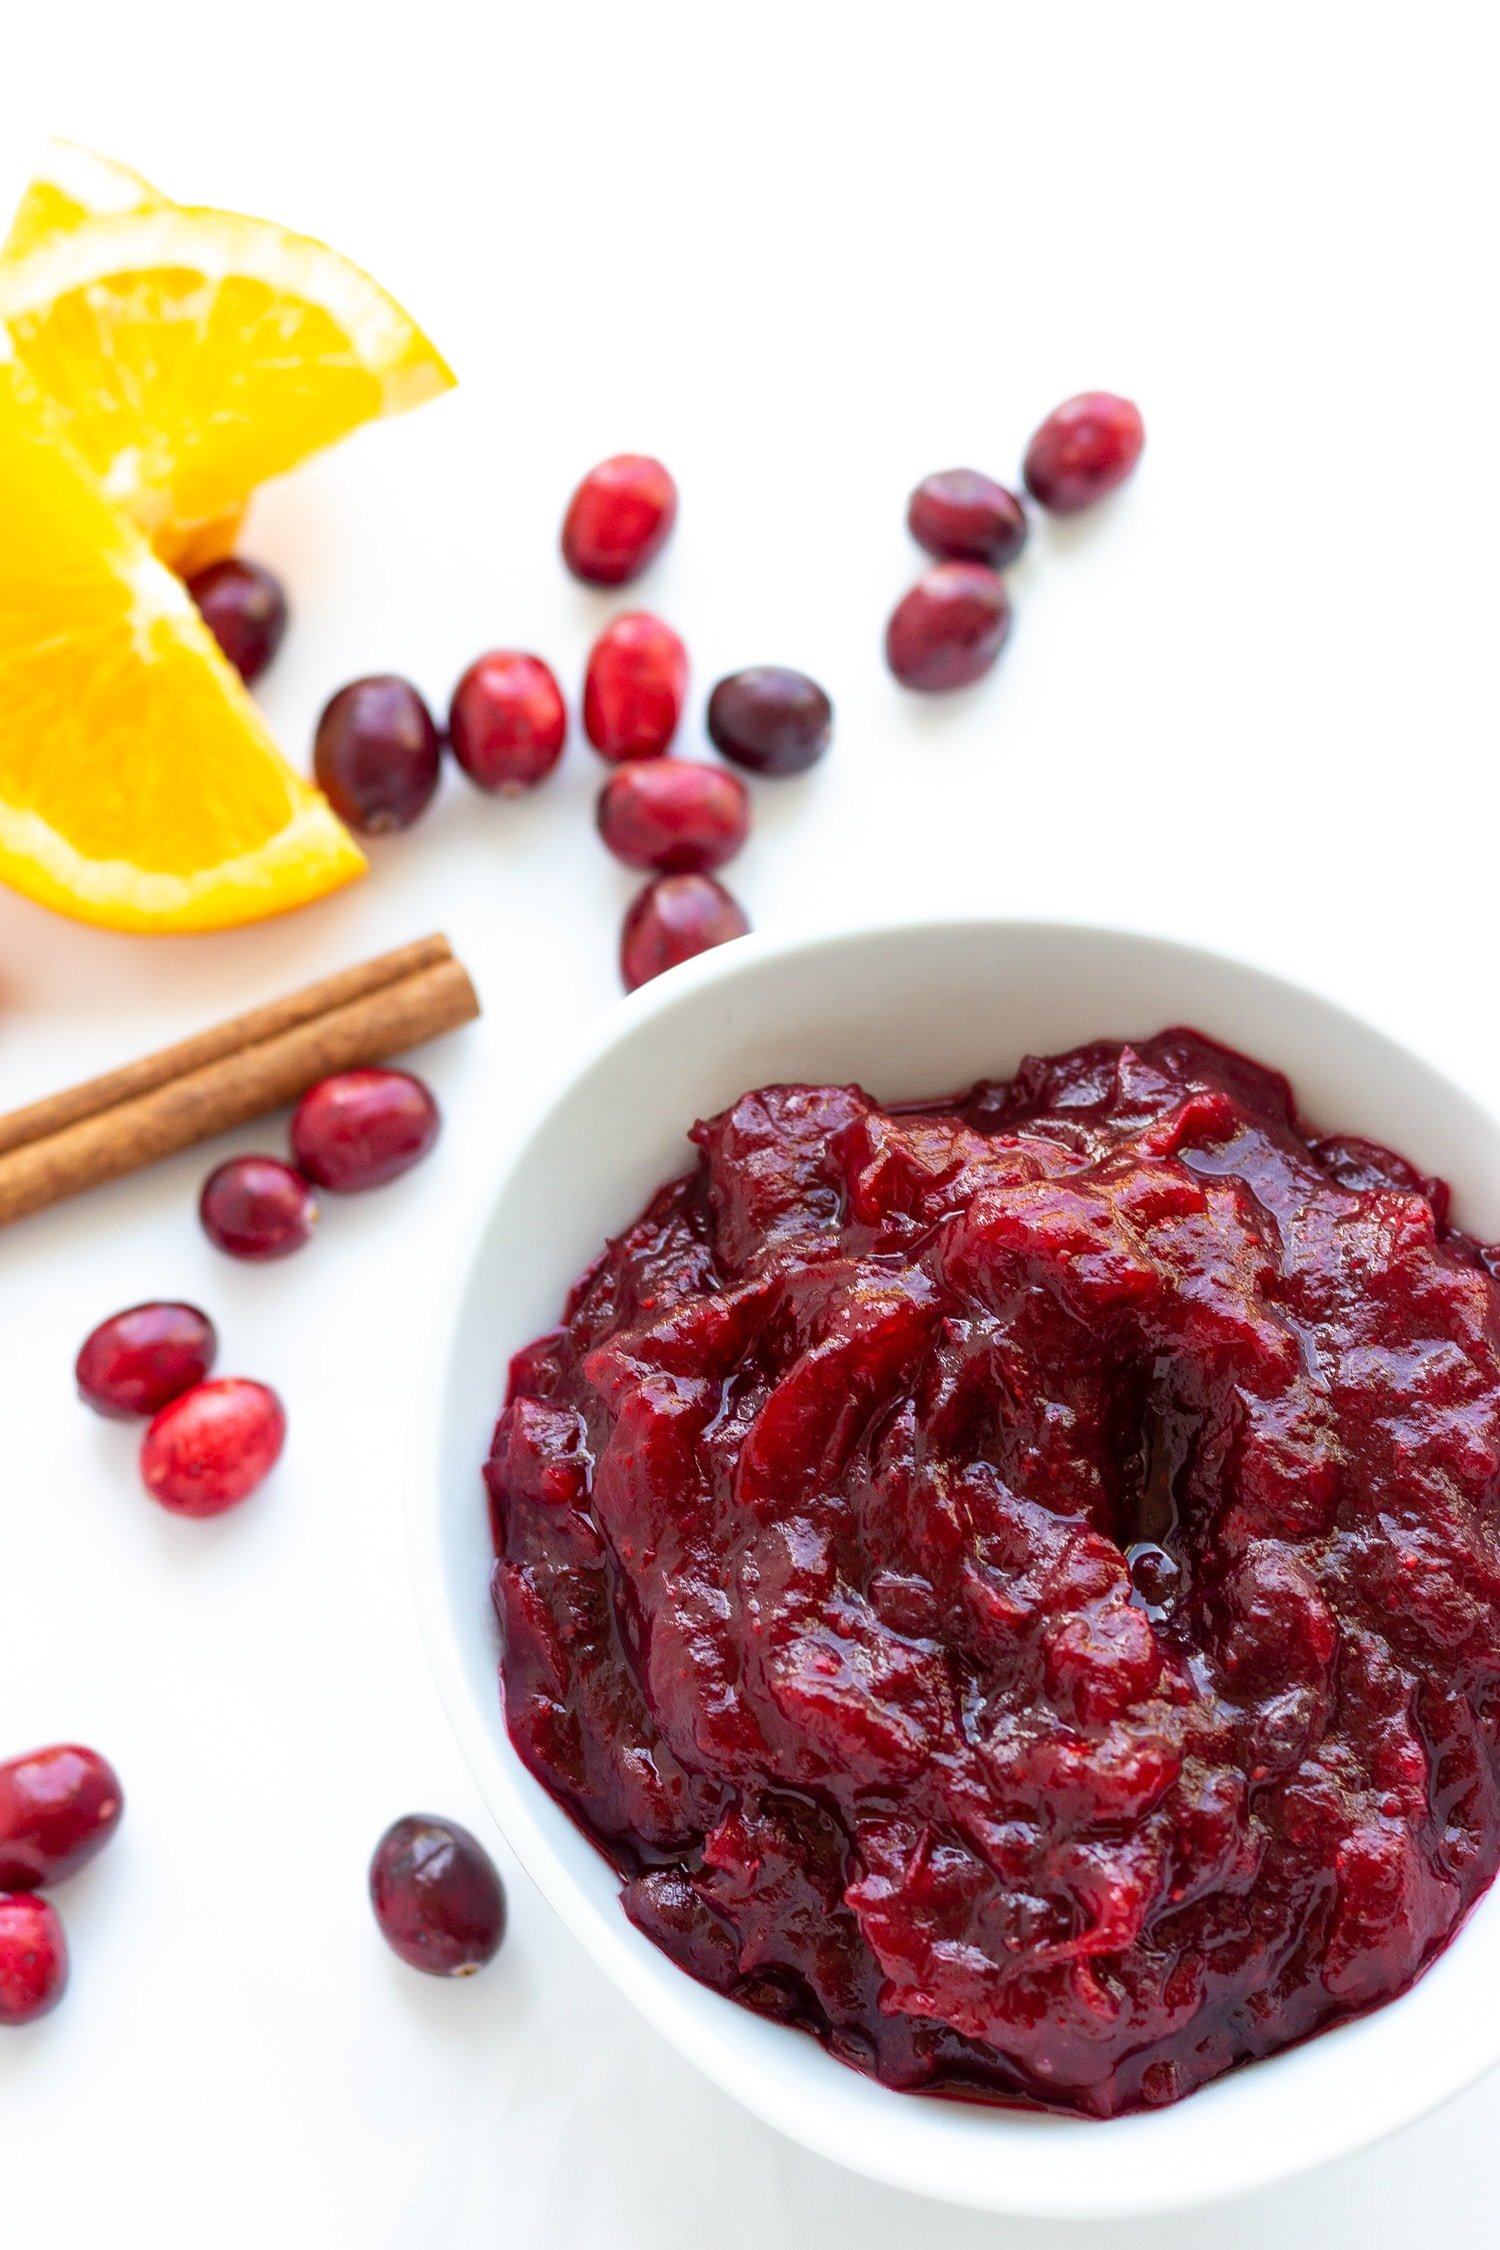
<point>436,1896</point>
<point>769,720</point>
<point>137,1360</point>
<point>1084,449</point>
<point>244,608</point>
<point>507,722</point>
<point>620,517</point>
<point>258,1208</point>
<point>961,516</point>
<point>674,918</point>
<point>377,754</point>
<point>673,816</point>
<point>33,1957</point>
<point>949,629</point>
<point>362,1128</point>
<point>634,688</point>
<point>209,1449</point>
<point>57,1808</point>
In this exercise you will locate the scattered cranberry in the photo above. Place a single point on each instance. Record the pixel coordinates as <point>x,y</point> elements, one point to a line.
<point>244,608</point>
<point>1084,449</point>
<point>137,1360</point>
<point>674,918</point>
<point>634,687</point>
<point>57,1808</point>
<point>33,1957</point>
<point>960,516</point>
<point>258,1208</point>
<point>210,1448</point>
<point>437,1896</point>
<point>362,1128</point>
<point>770,720</point>
<point>619,519</point>
<point>507,722</point>
<point>377,754</point>
<point>674,816</point>
<point>950,628</point>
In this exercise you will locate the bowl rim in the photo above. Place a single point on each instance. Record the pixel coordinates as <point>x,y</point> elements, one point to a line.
<point>649,1979</point>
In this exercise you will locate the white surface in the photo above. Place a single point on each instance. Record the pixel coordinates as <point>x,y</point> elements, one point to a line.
<point>906,1010</point>
<point>808,253</point>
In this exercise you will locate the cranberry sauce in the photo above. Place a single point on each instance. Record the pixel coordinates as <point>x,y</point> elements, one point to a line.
<point>1014,1583</point>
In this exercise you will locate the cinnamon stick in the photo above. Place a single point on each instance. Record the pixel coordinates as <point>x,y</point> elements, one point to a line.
<point>223,1077</point>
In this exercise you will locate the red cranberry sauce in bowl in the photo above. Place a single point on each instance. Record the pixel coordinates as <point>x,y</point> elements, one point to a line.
<point>1013,1581</point>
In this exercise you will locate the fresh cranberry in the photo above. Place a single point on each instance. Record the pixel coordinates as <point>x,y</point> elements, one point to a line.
<point>634,687</point>
<point>961,516</point>
<point>244,608</point>
<point>619,519</point>
<point>674,816</point>
<point>258,1208</point>
<point>377,754</point>
<point>210,1448</point>
<point>137,1360</point>
<point>672,919</point>
<point>507,722</point>
<point>437,1896</point>
<point>770,720</point>
<point>362,1128</point>
<point>57,1808</point>
<point>950,628</point>
<point>33,1957</point>
<point>1084,449</point>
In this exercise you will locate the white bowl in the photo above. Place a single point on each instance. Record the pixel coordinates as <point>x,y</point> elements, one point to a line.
<point>909,1011</point>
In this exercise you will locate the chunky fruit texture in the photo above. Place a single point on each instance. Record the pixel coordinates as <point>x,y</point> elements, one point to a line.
<point>816,1521</point>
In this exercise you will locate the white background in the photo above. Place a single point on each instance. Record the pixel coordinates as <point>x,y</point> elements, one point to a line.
<point>807,253</point>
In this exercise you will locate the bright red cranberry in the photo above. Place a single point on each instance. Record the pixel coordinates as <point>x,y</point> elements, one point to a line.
<point>950,628</point>
<point>377,754</point>
<point>674,816</point>
<point>674,918</point>
<point>634,687</point>
<point>770,720</point>
<point>1084,449</point>
<point>137,1360</point>
<point>960,516</point>
<point>437,1896</point>
<point>258,1208</point>
<point>619,518</point>
<point>244,608</point>
<point>362,1128</point>
<point>507,722</point>
<point>57,1808</point>
<point>210,1448</point>
<point>33,1957</point>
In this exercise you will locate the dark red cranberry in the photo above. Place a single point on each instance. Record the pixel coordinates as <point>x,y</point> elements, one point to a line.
<point>362,1128</point>
<point>377,754</point>
<point>244,608</point>
<point>674,918</point>
<point>57,1808</point>
<point>33,1957</point>
<point>634,687</point>
<point>258,1208</point>
<point>769,720</point>
<point>961,516</point>
<point>210,1448</point>
<point>674,816</point>
<point>507,722</point>
<point>437,1896</point>
<point>950,628</point>
<point>1154,1575</point>
<point>619,518</point>
<point>137,1360</point>
<point>1084,449</point>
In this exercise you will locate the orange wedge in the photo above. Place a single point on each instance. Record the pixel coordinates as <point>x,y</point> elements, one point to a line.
<point>138,786</point>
